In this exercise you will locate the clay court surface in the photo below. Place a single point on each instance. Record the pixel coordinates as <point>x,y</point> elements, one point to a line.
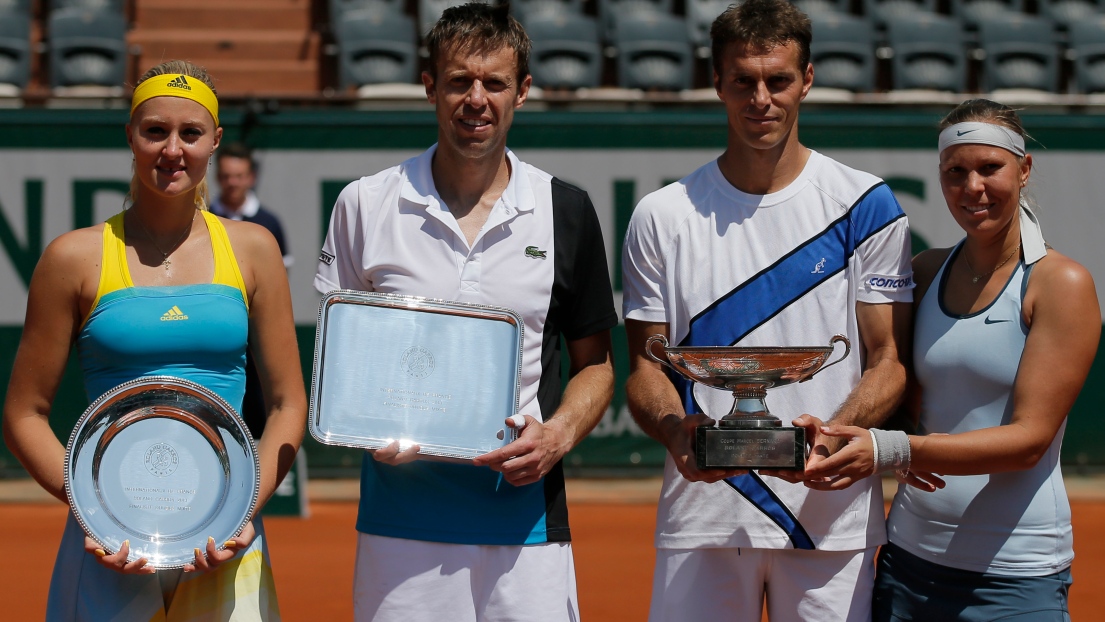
<point>612,525</point>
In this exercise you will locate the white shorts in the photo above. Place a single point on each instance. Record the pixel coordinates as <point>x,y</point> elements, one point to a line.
<point>730,584</point>
<point>414,581</point>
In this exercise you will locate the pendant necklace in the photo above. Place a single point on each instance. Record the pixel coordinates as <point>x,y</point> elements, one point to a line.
<point>165,255</point>
<point>978,277</point>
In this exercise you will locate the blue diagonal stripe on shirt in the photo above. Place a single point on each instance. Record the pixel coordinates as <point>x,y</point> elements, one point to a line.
<point>765,295</point>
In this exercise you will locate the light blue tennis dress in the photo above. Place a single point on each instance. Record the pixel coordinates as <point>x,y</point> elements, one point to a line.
<point>1014,524</point>
<point>196,332</point>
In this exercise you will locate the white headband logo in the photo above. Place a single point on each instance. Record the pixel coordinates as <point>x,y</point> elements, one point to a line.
<point>976,133</point>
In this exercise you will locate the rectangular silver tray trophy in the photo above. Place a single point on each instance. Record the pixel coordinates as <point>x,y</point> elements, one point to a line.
<point>749,437</point>
<point>164,463</point>
<point>443,375</point>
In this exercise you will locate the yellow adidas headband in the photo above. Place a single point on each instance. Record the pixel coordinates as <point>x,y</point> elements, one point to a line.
<point>176,85</point>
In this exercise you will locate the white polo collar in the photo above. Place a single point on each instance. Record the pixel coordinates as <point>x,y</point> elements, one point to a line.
<point>419,188</point>
<point>249,209</point>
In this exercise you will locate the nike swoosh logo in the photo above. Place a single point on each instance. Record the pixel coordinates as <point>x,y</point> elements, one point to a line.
<point>994,320</point>
<point>962,132</point>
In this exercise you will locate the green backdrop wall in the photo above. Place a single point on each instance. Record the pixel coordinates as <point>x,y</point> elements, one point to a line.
<point>61,169</point>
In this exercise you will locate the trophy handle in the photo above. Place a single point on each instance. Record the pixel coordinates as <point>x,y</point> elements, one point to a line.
<point>663,341</point>
<point>832,343</point>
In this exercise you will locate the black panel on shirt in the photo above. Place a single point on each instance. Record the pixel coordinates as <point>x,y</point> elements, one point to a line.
<point>582,305</point>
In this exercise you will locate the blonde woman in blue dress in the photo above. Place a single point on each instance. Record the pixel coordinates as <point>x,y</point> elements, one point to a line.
<point>108,289</point>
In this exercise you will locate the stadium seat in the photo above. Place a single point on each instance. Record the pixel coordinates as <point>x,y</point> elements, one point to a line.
<point>15,48</point>
<point>1066,13</point>
<point>653,52</point>
<point>971,12</point>
<point>429,11</point>
<point>567,53</point>
<point>338,8</point>
<point>376,47</point>
<point>540,8</point>
<point>700,16</point>
<point>1087,41</point>
<point>929,53</point>
<point>15,6</point>
<point>1020,53</point>
<point>882,10</point>
<point>815,7</point>
<point>115,6</point>
<point>843,53</point>
<point>87,48</point>
<point>612,10</point>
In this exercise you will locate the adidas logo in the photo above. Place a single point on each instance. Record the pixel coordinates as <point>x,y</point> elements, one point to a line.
<point>179,83</point>
<point>173,314</point>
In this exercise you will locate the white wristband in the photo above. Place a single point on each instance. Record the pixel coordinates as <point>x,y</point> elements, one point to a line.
<point>891,450</point>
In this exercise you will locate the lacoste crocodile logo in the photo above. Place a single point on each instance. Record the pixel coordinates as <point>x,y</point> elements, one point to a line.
<point>535,253</point>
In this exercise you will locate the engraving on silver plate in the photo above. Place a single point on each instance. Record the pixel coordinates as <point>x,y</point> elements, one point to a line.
<point>417,362</point>
<point>161,459</point>
<point>426,401</point>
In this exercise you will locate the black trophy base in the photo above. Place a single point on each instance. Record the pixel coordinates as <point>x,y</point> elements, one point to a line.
<point>779,448</point>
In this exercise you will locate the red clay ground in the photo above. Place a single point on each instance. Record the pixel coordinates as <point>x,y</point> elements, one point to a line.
<point>613,551</point>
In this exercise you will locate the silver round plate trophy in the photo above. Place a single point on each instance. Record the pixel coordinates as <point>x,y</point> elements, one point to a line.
<point>749,437</point>
<point>164,463</point>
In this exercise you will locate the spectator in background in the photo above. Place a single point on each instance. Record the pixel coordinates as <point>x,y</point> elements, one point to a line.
<point>237,175</point>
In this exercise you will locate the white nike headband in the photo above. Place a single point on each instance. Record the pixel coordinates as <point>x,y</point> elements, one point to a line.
<point>977,133</point>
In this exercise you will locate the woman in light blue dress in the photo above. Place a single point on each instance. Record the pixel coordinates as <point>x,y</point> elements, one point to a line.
<point>1005,331</point>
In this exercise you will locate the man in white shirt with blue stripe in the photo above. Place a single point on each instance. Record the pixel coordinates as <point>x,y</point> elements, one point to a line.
<point>770,245</point>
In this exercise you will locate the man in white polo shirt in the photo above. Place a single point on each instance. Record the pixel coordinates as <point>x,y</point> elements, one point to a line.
<point>468,221</point>
<point>772,244</point>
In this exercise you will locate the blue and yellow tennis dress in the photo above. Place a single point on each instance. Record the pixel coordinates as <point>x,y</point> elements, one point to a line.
<point>196,332</point>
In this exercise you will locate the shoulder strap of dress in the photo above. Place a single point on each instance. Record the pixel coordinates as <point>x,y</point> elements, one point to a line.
<point>114,274</point>
<point>1024,278</point>
<point>940,279</point>
<point>226,265</point>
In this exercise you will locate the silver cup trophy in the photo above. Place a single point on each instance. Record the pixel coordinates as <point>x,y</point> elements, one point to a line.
<point>749,437</point>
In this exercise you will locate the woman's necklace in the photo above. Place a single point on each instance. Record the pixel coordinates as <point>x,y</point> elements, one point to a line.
<point>978,277</point>
<point>165,255</point>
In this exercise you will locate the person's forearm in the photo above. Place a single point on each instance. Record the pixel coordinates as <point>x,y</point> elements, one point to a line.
<point>584,402</point>
<point>876,397</point>
<point>653,402</point>
<point>33,443</point>
<point>277,448</point>
<point>1003,448</point>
